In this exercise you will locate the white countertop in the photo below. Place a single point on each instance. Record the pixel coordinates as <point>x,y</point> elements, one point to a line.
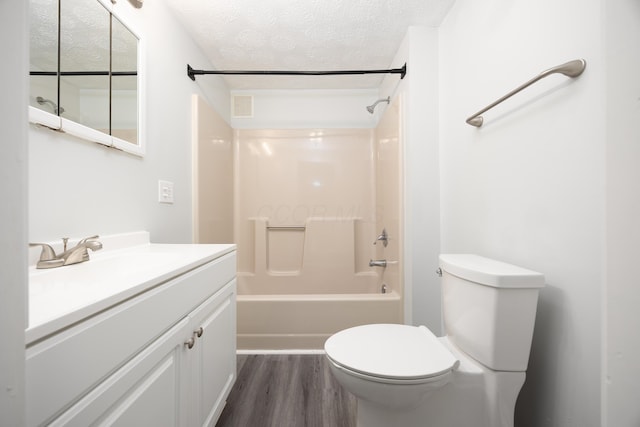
<point>62,296</point>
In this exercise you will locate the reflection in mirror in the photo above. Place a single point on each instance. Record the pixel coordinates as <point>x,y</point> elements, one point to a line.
<point>43,53</point>
<point>124,83</point>
<point>84,63</point>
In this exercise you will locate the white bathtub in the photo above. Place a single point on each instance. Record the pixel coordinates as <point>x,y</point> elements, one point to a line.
<point>305,321</point>
<point>299,292</point>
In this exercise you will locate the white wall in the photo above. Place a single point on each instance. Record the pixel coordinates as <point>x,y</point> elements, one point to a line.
<point>421,235</point>
<point>621,370</point>
<point>13,209</point>
<point>77,188</point>
<point>528,187</point>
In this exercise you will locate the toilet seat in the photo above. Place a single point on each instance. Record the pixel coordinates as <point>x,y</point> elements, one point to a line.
<point>391,353</point>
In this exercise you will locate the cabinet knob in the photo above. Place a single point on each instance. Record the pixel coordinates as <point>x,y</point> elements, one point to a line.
<point>190,343</point>
<point>199,331</point>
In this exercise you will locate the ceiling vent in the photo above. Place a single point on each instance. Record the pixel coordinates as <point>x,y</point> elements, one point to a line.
<point>242,106</point>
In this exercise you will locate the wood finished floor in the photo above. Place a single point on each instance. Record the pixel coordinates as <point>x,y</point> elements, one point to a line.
<point>287,391</point>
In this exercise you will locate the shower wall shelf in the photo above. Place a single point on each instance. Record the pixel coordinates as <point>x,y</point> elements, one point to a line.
<point>570,69</point>
<point>193,73</point>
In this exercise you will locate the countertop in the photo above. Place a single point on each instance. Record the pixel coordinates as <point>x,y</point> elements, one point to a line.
<point>62,296</point>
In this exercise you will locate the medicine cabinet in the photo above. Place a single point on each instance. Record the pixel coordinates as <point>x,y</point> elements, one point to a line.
<point>85,72</point>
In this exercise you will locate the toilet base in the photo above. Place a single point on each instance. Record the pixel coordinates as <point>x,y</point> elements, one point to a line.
<point>486,400</point>
<point>441,409</point>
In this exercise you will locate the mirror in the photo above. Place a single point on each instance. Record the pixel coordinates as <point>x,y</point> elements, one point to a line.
<point>84,63</point>
<point>124,83</point>
<point>84,72</point>
<point>43,54</point>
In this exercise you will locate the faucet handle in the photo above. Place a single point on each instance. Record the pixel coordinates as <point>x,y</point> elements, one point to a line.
<point>92,243</point>
<point>86,239</point>
<point>48,258</point>
<point>47,253</point>
<point>384,237</point>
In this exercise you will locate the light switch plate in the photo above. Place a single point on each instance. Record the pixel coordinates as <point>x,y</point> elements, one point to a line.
<point>165,191</point>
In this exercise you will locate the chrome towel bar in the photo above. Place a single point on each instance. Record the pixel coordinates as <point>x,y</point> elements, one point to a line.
<point>570,69</point>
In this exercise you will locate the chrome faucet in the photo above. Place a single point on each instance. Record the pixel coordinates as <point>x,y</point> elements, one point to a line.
<point>384,237</point>
<point>378,263</point>
<point>75,255</point>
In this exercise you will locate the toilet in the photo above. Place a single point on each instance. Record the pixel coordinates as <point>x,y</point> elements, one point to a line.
<point>405,376</point>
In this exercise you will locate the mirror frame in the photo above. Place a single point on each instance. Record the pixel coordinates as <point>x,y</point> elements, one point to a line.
<point>61,124</point>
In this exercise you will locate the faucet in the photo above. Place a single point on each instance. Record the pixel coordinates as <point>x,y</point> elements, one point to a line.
<point>77,254</point>
<point>384,237</point>
<point>378,263</point>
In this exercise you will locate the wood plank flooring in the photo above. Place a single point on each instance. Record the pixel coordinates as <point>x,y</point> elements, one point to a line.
<point>287,391</point>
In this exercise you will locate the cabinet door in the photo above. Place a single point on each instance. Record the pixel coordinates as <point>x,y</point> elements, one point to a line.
<point>214,355</point>
<point>147,391</point>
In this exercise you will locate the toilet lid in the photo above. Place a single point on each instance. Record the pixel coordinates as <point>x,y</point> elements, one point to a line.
<point>391,351</point>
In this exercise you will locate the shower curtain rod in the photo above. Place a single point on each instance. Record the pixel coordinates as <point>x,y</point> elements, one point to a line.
<point>192,73</point>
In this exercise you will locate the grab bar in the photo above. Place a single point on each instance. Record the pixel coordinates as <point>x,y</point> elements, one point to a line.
<point>287,227</point>
<point>570,69</point>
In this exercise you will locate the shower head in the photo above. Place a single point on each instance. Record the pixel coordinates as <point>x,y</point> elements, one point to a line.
<point>42,100</point>
<point>372,107</point>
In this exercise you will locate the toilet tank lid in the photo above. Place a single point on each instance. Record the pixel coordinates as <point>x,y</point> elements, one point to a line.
<point>489,272</point>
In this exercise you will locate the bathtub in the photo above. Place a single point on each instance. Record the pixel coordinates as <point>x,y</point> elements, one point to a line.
<point>306,283</point>
<point>305,321</point>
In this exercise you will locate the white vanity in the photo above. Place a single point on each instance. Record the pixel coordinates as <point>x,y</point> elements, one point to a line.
<point>141,335</point>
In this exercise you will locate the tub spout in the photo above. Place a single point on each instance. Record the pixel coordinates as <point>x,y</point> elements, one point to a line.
<point>378,263</point>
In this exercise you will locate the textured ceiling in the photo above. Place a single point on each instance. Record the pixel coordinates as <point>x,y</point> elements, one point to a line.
<point>305,35</point>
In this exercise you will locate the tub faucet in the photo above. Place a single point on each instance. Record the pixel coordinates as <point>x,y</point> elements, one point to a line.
<point>378,263</point>
<point>384,237</point>
<point>77,254</point>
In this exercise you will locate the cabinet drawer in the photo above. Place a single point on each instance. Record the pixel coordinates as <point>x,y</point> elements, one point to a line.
<point>62,368</point>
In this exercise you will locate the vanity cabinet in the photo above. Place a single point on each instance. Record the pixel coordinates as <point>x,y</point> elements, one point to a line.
<point>164,357</point>
<point>210,383</point>
<point>146,391</point>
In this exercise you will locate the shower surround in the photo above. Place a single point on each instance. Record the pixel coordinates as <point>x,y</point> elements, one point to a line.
<point>310,204</point>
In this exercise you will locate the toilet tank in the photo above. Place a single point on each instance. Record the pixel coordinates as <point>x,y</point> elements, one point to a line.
<point>489,309</point>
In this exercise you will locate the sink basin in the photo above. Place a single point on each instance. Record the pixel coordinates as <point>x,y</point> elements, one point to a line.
<point>62,296</point>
